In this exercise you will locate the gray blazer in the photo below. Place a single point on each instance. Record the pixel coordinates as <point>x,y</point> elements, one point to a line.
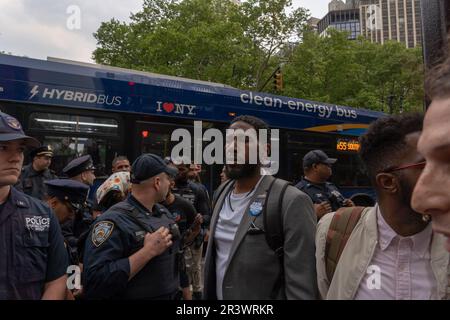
<point>253,267</point>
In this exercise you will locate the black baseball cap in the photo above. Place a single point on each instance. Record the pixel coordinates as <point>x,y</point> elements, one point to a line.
<point>168,161</point>
<point>11,129</point>
<point>149,165</point>
<point>317,156</point>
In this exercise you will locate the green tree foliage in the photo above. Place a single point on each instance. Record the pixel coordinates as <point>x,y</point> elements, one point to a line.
<point>241,46</point>
<point>357,73</point>
<point>213,40</point>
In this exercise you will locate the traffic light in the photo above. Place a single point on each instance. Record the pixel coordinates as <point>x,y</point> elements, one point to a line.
<point>278,81</point>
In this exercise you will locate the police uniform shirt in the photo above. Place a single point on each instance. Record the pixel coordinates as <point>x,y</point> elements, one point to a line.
<point>31,247</point>
<point>32,183</point>
<point>320,192</point>
<point>116,236</point>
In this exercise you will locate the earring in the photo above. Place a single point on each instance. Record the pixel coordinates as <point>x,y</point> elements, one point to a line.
<point>426,218</point>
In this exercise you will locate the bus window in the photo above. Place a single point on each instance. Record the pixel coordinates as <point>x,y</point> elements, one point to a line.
<point>348,171</point>
<point>299,144</point>
<point>96,136</point>
<point>73,123</point>
<point>156,138</point>
<point>67,148</point>
<point>156,142</point>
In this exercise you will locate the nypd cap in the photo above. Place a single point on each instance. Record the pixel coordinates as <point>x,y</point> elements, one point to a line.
<point>11,129</point>
<point>71,191</point>
<point>149,165</point>
<point>78,165</point>
<point>42,151</point>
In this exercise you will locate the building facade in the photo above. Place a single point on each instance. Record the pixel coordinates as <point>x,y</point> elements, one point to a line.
<point>313,23</point>
<point>397,20</point>
<point>342,20</point>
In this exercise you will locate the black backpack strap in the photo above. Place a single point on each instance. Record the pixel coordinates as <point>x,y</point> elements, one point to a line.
<point>273,225</point>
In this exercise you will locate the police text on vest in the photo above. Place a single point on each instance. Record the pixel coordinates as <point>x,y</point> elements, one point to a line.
<point>37,223</point>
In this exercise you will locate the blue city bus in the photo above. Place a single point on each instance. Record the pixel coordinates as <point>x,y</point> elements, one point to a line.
<point>80,108</point>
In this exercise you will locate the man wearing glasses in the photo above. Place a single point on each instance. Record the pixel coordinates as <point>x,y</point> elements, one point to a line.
<point>325,195</point>
<point>392,253</point>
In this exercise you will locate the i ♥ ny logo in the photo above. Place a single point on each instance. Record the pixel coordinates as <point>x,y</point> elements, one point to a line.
<point>169,107</point>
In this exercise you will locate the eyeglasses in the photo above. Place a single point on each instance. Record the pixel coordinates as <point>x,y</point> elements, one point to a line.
<point>419,165</point>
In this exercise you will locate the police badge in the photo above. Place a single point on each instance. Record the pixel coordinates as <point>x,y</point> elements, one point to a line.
<point>13,123</point>
<point>102,231</point>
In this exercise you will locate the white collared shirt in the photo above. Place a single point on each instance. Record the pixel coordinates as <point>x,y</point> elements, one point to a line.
<point>404,266</point>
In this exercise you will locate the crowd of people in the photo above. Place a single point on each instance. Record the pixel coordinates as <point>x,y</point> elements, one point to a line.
<point>142,233</point>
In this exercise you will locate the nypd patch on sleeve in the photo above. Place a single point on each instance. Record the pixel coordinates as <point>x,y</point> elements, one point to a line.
<point>102,231</point>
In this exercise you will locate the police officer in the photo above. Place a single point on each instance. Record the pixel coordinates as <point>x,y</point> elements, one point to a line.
<point>81,170</point>
<point>66,197</point>
<point>325,195</point>
<point>130,253</point>
<point>33,259</point>
<point>33,175</point>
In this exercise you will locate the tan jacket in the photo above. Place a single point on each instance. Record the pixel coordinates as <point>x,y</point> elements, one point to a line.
<point>357,255</point>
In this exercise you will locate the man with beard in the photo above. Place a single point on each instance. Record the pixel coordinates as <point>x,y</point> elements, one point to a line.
<point>198,196</point>
<point>239,262</point>
<point>392,253</point>
<point>130,253</point>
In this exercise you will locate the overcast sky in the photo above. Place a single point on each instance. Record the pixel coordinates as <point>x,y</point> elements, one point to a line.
<point>39,28</point>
